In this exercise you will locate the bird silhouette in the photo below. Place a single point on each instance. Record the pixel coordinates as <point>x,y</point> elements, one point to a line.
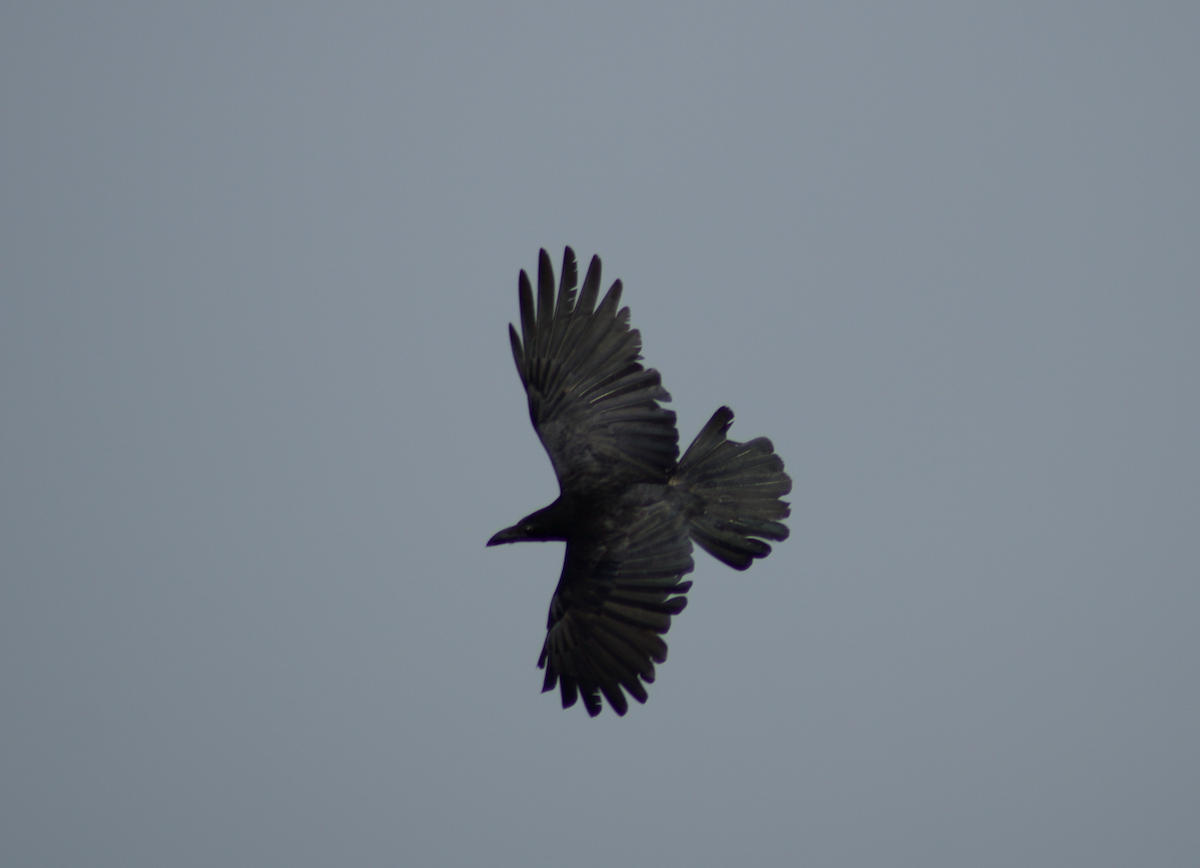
<point>627,509</point>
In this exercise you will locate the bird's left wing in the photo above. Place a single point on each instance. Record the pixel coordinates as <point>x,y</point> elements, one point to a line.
<point>612,605</point>
<point>593,406</point>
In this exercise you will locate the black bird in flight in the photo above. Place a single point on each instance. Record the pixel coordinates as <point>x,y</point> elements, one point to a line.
<point>627,510</point>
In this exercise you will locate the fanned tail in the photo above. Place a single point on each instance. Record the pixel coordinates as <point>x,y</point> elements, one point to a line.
<point>730,493</point>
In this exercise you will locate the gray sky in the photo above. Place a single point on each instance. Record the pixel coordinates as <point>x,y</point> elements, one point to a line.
<point>259,417</point>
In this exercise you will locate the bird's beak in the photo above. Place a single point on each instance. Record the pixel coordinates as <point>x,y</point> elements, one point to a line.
<point>508,535</point>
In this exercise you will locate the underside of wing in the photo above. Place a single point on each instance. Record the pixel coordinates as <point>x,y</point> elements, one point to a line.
<point>611,608</point>
<point>593,406</point>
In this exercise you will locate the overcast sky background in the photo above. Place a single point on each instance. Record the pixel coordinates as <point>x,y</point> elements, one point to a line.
<point>258,417</point>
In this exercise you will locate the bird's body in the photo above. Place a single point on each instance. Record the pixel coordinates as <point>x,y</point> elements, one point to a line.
<point>627,510</point>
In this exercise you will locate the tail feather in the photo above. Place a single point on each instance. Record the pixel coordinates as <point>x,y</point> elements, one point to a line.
<point>731,493</point>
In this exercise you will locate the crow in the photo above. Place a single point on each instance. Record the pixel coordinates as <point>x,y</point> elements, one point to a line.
<point>627,510</point>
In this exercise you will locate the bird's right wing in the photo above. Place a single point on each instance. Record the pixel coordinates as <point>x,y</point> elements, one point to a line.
<point>611,606</point>
<point>593,406</point>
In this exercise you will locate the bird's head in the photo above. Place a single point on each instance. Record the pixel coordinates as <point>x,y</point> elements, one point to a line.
<point>545,525</point>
